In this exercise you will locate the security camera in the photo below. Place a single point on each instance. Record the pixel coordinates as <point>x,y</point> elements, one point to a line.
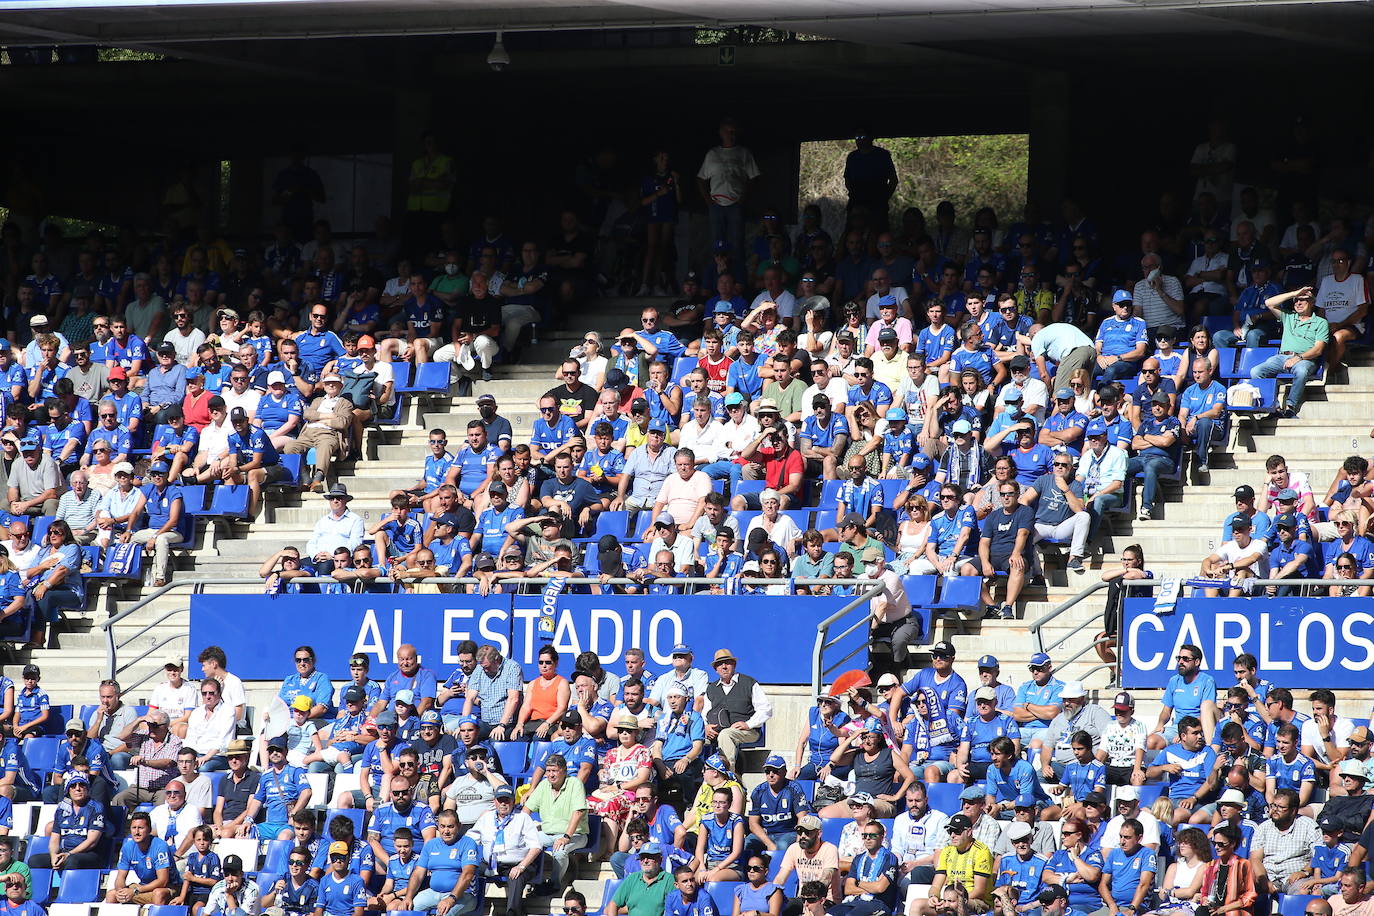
<point>498,59</point>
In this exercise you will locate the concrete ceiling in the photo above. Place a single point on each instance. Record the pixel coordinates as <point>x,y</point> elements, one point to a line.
<point>169,24</point>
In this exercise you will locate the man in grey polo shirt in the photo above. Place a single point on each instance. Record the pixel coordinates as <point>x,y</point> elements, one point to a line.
<point>1053,745</point>
<point>648,466</point>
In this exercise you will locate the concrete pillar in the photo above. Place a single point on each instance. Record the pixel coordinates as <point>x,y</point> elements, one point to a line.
<point>1050,141</point>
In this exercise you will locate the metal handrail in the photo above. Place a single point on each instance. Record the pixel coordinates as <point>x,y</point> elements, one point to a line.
<point>823,629</point>
<point>198,586</point>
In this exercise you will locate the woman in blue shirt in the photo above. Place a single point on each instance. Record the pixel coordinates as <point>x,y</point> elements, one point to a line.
<point>825,724</point>
<point>58,574</point>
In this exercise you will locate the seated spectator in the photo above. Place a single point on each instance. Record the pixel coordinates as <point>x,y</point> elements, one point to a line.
<point>1202,414</point>
<point>1059,512</point>
<point>77,828</point>
<point>35,483</point>
<point>328,422</point>
<point>155,749</point>
<point>966,862</point>
<point>1237,561</point>
<point>177,819</point>
<point>210,730</point>
<point>146,858</point>
<point>1003,546</point>
<point>1302,346</point>
<point>55,580</point>
<point>1282,846</point>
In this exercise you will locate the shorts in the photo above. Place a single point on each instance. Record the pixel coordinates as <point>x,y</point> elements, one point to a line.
<point>270,830</point>
<point>1171,732</point>
<point>944,766</point>
<point>999,562</point>
<point>978,771</point>
<point>1119,776</point>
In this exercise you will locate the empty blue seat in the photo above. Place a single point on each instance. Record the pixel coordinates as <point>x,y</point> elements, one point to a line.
<point>682,366</point>
<point>229,501</point>
<point>429,378</point>
<point>42,884</point>
<point>944,797</point>
<point>1295,904</point>
<point>79,885</point>
<point>513,755</point>
<point>607,892</point>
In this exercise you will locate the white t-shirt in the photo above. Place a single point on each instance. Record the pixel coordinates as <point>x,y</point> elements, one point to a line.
<point>231,690</point>
<point>200,793</point>
<point>785,301</point>
<point>185,344</point>
<point>1111,837</point>
<point>1231,552</point>
<point>175,700</point>
<point>785,532</point>
<point>1122,743</point>
<point>836,390</point>
<point>1340,733</point>
<point>727,171</point>
<point>1339,299</point>
<point>384,374</point>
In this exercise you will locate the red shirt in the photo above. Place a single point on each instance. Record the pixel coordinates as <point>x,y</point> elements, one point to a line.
<point>715,374</point>
<point>197,410</point>
<point>778,474</point>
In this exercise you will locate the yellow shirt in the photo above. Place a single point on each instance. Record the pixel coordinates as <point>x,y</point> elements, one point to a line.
<point>701,805</point>
<point>963,867</point>
<point>431,201</point>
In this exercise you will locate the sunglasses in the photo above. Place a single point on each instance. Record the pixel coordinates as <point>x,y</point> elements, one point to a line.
<point>751,868</point>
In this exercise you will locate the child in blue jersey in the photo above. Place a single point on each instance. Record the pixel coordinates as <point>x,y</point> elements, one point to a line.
<point>397,534</point>
<point>1329,859</point>
<point>1086,774</point>
<point>398,870</point>
<point>602,465</point>
<point>31,705</point>
<point>201,872</point>
<point>897,444</point>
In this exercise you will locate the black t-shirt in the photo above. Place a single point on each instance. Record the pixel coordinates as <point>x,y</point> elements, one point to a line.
<point>581,243</point>
<point>236,795</point>
<point>362,281</point>
<point>1001,527</point>
<point>583,395</point>
<point>478,314</point>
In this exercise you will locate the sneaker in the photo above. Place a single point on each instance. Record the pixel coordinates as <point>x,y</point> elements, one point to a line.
<point>1008,612</point>
<point>1144,514</point>
<point>486,375</point>
<point>992,613</point>
<point>1075,564</point>
<point>1201,467</point>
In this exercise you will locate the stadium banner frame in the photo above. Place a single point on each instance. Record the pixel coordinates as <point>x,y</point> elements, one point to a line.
<point>1299,642</point>
<point>772,635</point>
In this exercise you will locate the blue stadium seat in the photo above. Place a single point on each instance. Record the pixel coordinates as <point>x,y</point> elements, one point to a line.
<point>800,517</point>
<point>642,523</point>
<point>830,492</point>
<point>513,755</point>
<point>79,885</point>
<point>825,518</point>
<point>166,910</point>
<point>40,754</point>
<point>274,861</point>
<point>293,465</point>
<point>944,797</point>
<point>682,366</point>
<point>607,892</point>
<point>723,892</point>
<point>429,378</point>
<point>1267,401</point>
<point>537,751</point>
<point>40,528</point>
<point>1250,357</point>
<point>832,827</point>
<point>1214,323</point>
<point>751,486</point>
<point>42,884</point>
<point>228,501</point>
<point>1295,904</point>
<point>960,593</point>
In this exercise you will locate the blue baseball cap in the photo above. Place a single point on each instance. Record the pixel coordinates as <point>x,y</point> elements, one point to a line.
<point>887,301</point>
<point>682,649</point>
<point>505,790</point>
<point>651,849</point>
<point>1095,428</point>
<point>724,308</point>
<point>1011,395</point>
<point>961,427</point>
<point>775,762</point>
<point>195,372</point>
<point>989,661</point>
<point>4,343</point>
<point>921,462</point>
<point>895,414</point>
<point>733,398</point>
<point>717,762</point>
<point>875,725</point>
<point>1026,800</point>
<point>1064,394</point>
<point>430,717</point>
<point>467,720</point>
<point>1040,658</point>
<point>1122,295</point>
<point>159,467</point>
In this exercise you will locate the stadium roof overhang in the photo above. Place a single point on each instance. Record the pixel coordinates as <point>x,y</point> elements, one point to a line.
<point>171,24</point>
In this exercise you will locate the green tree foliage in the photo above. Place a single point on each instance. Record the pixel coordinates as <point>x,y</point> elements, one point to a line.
<point>970,172</point>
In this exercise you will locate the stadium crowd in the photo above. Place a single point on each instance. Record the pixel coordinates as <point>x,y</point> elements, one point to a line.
<point>944,397</point>
<point>914,796</point>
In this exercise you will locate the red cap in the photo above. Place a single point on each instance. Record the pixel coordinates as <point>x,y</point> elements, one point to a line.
<point>118,372</point>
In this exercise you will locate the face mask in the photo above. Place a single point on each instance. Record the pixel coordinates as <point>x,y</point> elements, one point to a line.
<point>450,269</point>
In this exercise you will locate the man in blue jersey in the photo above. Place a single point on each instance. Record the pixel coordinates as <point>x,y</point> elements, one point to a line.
<point>1202,413</point>
<point>1188,768</point>
<point>446,878</point>
<point>1129,873</point>
<point>440,468</point>
<point>1121,340</point>
<point>1190,692</point>
<point>251,459</point>
<point>1038,699</point>
<point>941,677</point>
<point>149,859</point>
<point>774,806</point>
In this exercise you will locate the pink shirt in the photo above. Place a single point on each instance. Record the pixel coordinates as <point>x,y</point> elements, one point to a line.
<point>680,497</point>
